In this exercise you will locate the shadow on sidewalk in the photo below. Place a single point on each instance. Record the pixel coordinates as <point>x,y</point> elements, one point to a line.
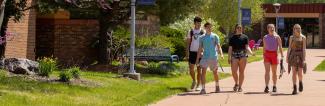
<point>281,94</point>
<point>192,94</point>
<point>179,88</point>
<point>320,80</point>
<point>254,93</point>
<point>319,56</point>
<point>223,92</point>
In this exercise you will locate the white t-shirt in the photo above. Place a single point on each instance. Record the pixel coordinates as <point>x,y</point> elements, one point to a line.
<point>195,39</point>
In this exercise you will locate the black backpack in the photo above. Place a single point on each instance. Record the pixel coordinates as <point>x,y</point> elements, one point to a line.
<point>192,34</point>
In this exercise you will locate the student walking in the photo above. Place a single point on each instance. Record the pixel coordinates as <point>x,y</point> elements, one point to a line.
<point>296,56</point>
<point>271,42</point>
<point>237,56</point>
<point>209,46</point>
<point>191,52</point>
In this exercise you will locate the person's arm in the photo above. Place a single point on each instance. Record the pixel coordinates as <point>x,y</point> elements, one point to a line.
<point>289,49</point>
<point>264,45</point>
<point>220,50</point>
<point>199,52</point>
<point>229,54</point>
<point>304,48</point>
<point>249,50</point>
<point>188,42</point>
<point>280,46</point>
<point>247,47</point>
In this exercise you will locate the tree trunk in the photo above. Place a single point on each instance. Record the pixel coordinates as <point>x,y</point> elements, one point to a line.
<point>3,34</point>
<point>103,39</point>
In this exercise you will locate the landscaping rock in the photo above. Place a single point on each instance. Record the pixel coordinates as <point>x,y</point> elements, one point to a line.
<point>19,66</point>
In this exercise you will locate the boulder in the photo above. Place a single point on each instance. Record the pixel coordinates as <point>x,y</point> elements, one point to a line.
<point>19,66</point>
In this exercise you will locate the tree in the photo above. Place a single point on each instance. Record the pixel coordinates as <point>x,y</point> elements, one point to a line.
<point>225,12</point>
<point>11,9</point>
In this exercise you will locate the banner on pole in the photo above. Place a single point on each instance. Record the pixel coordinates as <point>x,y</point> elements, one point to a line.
<point>146,2</point>
<point>281,22</point>
<point>246,16</point>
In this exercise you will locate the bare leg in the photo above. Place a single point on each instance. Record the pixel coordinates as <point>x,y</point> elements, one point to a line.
<point>294,80</point>
<point>294,75</point>
<point>203,77</point>
<point>274,74</point>
<point>300,74</point>
<point>192,73</point>
<point>215,74</point>
<point>267,73</point>
<point>198,77</point>
<point>234,69</point>
<point>242,66</point>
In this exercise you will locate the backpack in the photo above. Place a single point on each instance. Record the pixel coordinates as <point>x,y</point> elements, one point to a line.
<point>192,34</point>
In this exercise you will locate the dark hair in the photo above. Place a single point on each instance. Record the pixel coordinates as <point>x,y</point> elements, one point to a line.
<point>207,23</point>
<point>197,19</point>
<point>237,25</point>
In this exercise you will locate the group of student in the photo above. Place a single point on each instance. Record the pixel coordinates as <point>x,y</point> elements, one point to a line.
<point>203,50</point>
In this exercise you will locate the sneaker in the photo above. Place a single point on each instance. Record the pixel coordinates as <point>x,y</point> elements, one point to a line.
<point>274,89</point>
<point>266,90</point>
<point>203,91</point>
<point>235,87</point>
<point>217,89</point>
<point>193,85</point>
<point>301,87</point>
<point>240,89</point>
<point>294,92</point>
<point>198,88</point>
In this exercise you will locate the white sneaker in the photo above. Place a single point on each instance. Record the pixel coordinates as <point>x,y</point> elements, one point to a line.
<point>198,88</point>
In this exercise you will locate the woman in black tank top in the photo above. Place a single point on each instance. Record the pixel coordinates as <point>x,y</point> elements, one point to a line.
<point>237,56</point>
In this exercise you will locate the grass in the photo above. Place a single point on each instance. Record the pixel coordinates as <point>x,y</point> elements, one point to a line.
<point>321,66</point>
<point>111,92</point>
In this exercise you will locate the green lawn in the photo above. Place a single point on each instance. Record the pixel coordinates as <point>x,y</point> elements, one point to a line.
<point>109,90</point>
<point>321,66</point>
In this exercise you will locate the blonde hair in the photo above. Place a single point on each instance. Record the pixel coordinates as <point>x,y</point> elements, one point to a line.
<point>297,26</point>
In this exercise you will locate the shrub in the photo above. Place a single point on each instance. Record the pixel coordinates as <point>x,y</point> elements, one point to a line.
<point>75,72</point>
<point>157,41</point>
<point>164,68</point>
<point>65,76</point>
<point>47,66</point>
<point>3,73</point>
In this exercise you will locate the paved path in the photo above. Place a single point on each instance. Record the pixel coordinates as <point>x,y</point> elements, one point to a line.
<point>313,95</point>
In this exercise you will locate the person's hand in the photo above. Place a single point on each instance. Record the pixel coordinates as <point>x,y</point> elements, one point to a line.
<point>253,54</point>
<point>222,57</point>
<point>287,60</point>
<point>197,62</point>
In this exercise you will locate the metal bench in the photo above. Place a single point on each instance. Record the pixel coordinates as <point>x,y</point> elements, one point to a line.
<point>153,54</point>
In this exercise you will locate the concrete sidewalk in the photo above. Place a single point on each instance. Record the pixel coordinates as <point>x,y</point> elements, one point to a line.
<point>252,95</point>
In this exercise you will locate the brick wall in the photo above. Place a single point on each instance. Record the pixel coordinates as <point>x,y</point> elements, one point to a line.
<point>67,40</point>
<point>23,44</point>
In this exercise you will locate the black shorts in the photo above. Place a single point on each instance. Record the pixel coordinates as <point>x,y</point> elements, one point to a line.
<point>192,57</point>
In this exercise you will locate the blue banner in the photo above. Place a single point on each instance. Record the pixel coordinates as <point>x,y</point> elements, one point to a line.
<point>281,22</point>
<point>146,2</point>
<point>246,16</point>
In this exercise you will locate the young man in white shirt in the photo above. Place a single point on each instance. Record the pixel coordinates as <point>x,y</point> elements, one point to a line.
<point>191,52</point>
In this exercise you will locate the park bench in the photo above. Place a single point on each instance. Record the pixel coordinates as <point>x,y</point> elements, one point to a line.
<point>153,54</point>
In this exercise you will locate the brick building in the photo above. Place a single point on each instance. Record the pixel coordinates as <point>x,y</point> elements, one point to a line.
<point>60,36</point>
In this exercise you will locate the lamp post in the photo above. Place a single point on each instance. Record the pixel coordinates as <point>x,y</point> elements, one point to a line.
<point>132,73</point>
<point>239,12</point>
<point>277,8</point>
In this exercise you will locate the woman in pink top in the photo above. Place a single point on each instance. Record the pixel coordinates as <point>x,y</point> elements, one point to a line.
<point>271,43</point>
